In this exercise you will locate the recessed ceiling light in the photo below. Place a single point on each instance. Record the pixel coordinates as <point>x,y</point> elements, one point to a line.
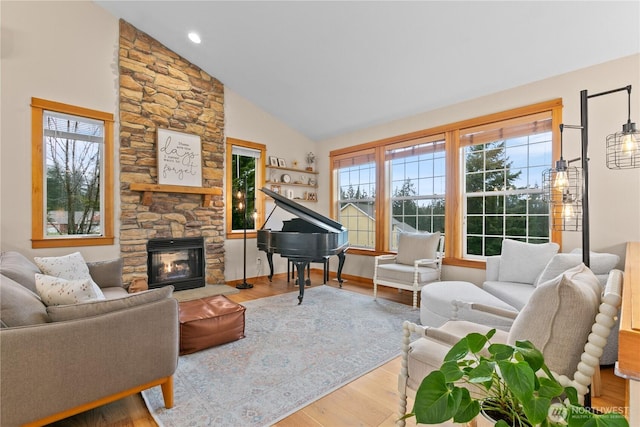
<point>194,37</point>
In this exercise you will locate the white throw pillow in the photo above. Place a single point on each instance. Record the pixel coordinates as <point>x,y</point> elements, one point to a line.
<point>70,267</point>
<point>59,291</point>
<point>523,262</point>
<point>600,262</point>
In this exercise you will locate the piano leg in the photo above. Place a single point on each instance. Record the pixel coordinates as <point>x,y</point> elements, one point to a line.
<point>300,266</point>
<point>270,261</point>
<point>341,258</point>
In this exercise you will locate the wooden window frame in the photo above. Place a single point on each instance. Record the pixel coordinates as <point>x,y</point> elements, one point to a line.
<point>454,193</point>
<point>260,179</point>
<point>38,239</point>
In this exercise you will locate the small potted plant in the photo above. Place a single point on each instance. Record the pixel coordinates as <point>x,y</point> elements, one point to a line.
<point>509,384</point>
<point>311,158</point>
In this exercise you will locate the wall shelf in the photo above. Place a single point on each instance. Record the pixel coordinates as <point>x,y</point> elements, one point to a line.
<point>149,189</point>
<point>299,178</point>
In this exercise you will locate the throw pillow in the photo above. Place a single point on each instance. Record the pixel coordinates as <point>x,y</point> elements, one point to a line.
<point>19,306</point>
<point>106,274</point>
<point>600,262</point>
<point>59,291</point>
<point>558,318</point>
<point>95,308</point>
<point>523,262</point>
<point>70,267</point>
<point>414,246</point>
<point>558,265</point>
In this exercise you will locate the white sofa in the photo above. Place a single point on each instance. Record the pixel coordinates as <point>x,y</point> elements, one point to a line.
<point>512,278</point>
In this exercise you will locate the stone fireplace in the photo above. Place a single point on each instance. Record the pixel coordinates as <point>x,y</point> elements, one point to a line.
<point>160,89</point>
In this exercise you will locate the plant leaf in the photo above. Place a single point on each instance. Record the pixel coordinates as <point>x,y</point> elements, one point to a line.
<point>532,355</point>
<point>536,409</point>
<point>549,387</point>
<point>501,351</point>
<point>435,401</point>
<point>451,371</point>
<point>519,377</point>
<point>476,342</point>
<point>458,351</point>
<point>483,372</point>
<point>572,395</point>
<point>605,420</point>
<point>469,408</point>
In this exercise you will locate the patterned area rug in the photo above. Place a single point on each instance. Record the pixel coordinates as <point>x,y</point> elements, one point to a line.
<point>204,291</point>
<point>292,355</point>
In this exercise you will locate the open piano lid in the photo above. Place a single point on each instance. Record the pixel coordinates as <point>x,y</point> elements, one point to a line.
<point>304,213</point>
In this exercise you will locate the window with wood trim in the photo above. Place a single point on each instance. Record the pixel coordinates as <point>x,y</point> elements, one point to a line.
<point>356,194</point>
<point>417,174</point>
<point>245,167</point>
<point>72,175</point>
<point>478,181</point>
<point>502,183</point>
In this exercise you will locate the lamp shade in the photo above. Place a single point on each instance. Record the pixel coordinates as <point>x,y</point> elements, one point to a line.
<point>623,148</point>
<point>561,182</point>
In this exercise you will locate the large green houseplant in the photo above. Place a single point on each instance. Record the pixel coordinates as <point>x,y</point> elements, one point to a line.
<point>510,383</point>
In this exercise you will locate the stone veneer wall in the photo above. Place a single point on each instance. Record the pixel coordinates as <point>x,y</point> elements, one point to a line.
<point>160,89</point>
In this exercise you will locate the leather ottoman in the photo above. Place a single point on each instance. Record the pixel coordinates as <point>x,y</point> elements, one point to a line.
<point>211,321</point>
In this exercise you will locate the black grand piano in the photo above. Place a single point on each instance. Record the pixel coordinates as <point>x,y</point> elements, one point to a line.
<point>309,238</point>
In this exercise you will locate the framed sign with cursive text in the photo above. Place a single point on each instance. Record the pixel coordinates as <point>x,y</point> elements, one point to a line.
<point>179,158</point>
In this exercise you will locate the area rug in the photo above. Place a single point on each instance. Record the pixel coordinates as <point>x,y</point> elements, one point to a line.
<point>292,355</point>
<point>204,291</point>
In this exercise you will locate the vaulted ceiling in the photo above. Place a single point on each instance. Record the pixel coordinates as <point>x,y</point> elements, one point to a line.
<point>330,67</point>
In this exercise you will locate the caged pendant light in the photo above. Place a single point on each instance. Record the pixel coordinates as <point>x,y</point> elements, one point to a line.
<point>623,148</point>
<point>562,189</point>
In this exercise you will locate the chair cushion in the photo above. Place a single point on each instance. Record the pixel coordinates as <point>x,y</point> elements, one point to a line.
<point>401,273</point>
<point>515,294</point>
<point>70,267</point>
<point>523,262</point>
<point>414,246</point>
<point>19,306</point>
<point>558,318</point>
<point>17,267</point>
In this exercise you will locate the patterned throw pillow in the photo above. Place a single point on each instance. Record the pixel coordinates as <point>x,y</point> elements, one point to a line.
<point>58,291</point>
<point>70,267</point>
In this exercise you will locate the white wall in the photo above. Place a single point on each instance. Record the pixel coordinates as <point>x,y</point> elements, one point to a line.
<point>615,195</point>
<point>244,120</point>
<point>70,59</point>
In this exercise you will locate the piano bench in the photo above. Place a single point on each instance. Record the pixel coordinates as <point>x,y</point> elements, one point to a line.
<point>291,270</point>
<point>207,322</point>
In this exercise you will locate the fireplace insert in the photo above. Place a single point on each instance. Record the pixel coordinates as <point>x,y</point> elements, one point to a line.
<point>177,262</point>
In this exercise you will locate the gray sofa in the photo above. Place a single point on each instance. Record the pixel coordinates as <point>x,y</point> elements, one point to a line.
<point>61,360</point>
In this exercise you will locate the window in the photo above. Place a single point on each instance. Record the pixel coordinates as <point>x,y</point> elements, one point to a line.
<point>72,151</point>
<point>356,183</point>
<point>245,176</point>
<point>478,181</point>
<point>502,184</point>
<point>417,175</point>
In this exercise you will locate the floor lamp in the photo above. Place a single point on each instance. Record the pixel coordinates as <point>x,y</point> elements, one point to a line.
<point>623,152</point>
<point>242,205</point>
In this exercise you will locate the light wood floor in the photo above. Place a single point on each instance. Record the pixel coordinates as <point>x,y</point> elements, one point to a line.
<point>370,400</point>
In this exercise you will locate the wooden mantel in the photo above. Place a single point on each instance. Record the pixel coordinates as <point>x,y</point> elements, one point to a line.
<point>149,189</point>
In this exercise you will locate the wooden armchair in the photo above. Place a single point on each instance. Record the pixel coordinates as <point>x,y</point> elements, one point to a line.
<point>417,263</point>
